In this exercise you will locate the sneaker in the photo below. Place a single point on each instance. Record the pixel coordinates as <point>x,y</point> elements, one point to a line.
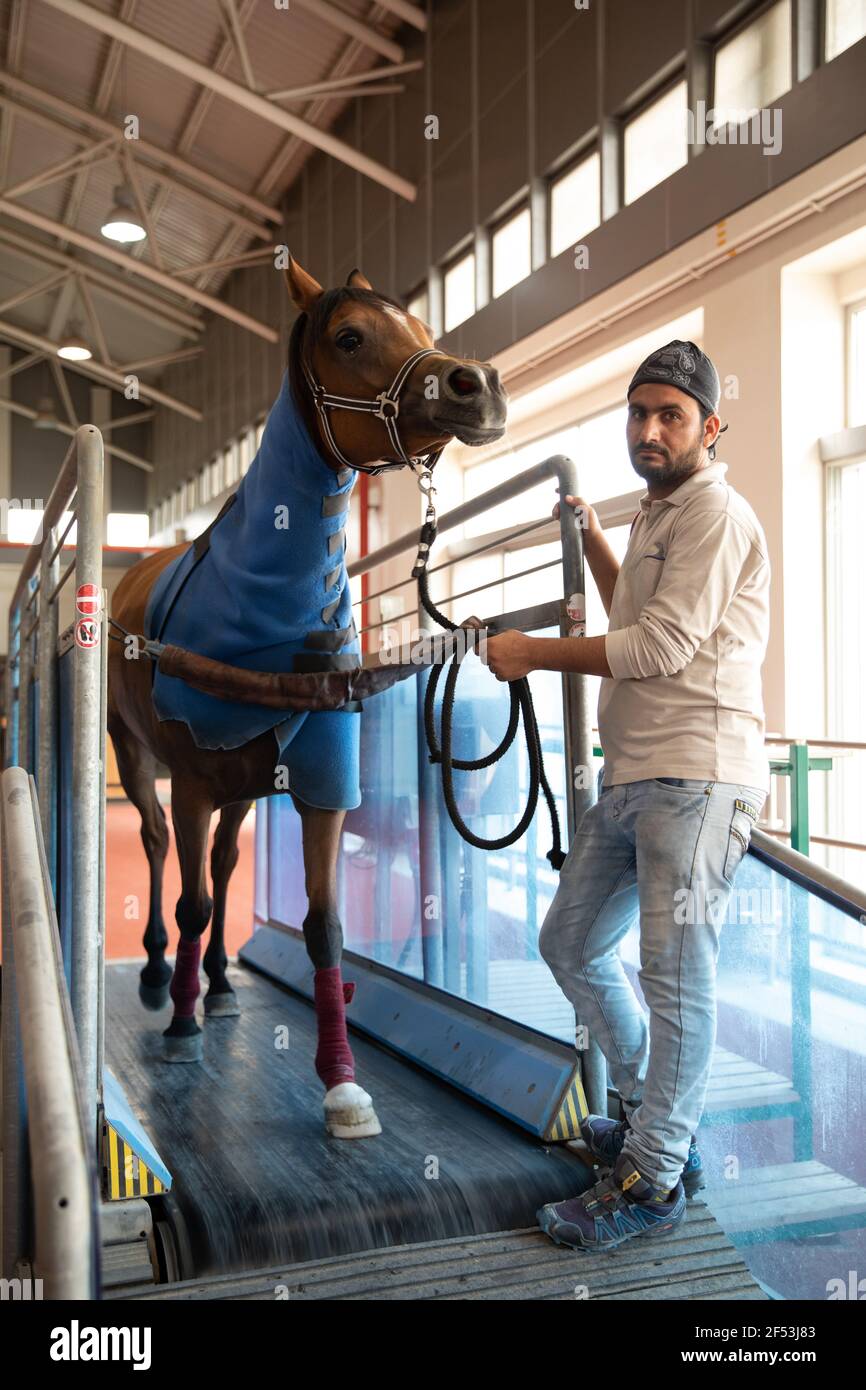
<point>604,1138</point>
<point>620,1207</point>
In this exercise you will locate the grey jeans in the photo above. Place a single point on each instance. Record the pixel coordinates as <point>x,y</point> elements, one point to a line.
<point>666,850</point>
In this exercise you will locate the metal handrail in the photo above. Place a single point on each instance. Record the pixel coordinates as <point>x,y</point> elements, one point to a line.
<point>81,478</point>
<point>33,977</point>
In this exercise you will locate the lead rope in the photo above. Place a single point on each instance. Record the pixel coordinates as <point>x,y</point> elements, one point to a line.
<point>521,700</point>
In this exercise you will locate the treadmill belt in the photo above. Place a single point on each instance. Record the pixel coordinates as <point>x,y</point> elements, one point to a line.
<point>256,1178</point>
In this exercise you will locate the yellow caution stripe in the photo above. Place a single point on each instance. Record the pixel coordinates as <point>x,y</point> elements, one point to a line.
<point>572,1109</point>
<point>125,1174</point>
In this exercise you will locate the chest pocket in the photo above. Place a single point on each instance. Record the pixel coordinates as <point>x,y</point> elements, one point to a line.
<point>646,571</point>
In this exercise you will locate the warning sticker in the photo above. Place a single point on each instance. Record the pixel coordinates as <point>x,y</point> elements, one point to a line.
<point>88,599</point>
<point>87,632</point>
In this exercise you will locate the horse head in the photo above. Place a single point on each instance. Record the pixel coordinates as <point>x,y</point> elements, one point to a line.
<point>373,386</point>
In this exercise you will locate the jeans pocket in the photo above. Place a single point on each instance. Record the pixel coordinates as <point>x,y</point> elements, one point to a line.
<point>691,785</point>
<point>739,836</point>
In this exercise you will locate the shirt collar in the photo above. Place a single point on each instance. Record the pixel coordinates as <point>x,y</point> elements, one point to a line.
<point>713,473</point>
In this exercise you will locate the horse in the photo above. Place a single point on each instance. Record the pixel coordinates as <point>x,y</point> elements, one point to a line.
<point>348,344</point>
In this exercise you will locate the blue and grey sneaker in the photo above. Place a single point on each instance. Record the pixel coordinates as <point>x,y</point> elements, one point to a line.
<point>604,1138</point>
<point>622,1206</point>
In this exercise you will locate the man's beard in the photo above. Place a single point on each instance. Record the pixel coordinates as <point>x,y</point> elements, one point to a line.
<point>664,468</point>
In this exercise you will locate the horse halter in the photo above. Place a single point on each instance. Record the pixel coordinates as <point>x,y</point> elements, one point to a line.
<point>386,407</point>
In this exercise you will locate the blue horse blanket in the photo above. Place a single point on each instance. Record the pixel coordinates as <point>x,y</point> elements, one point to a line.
<point>271,593</point>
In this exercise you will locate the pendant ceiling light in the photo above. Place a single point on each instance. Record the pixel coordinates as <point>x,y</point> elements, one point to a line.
<point>123,223</point>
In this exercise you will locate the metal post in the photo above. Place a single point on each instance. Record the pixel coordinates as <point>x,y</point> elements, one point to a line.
<point>15,1168</point>
<point>58,1161</point>
<point>431,896</point>
<point>25,664</point>
<point>579,781</point>
<point>87,775</point>
<point>46,667</point>
<point>799,753</point>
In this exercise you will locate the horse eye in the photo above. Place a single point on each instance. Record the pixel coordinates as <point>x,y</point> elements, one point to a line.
<point>349,341</point>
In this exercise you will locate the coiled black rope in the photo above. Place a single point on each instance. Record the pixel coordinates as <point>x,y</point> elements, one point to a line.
<point>521,701</point>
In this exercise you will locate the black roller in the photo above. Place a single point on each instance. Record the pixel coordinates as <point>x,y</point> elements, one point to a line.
<point>257,1181</point>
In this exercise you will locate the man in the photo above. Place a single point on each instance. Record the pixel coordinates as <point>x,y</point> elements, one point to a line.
<point>681,723</point>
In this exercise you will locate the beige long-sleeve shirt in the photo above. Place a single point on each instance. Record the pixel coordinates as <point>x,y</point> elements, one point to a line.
<point>688,631</point>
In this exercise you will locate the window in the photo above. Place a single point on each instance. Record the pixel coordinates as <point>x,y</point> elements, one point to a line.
<point>512,253</point>
<point>177,505</point>
<point>127,528</point>
<point>260,429</point>
<point>190,502</point>
<point>460,291</point>
<point>857,365</point>
<point>419,304</point>
<point>845,24</point>
<point>754,67</point>
<point>656,143</point>
<point>215,469</point>
<point>24,526</point>
<point>575,204</point>
<point>204,485</point>
<point>231,464</point>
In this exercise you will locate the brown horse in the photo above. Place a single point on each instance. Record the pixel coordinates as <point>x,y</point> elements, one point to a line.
<point>355,341</point>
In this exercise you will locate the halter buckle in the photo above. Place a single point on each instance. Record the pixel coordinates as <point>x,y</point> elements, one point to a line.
<point>389,408</point>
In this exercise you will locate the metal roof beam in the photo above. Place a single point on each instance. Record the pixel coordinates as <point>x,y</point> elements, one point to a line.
<point>234,92</point>
<point>410,13</point>
<point>16,408</point>
<point>157,311</point>
<point>333,84</point>
<point>229,197</point>
<point>355,28</point>
<point>141,269</point>
<point>109,376</point>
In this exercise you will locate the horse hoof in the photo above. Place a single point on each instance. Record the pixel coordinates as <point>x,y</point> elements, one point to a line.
<point>182,1047</point>
<point>223,1005</point>
<point>154,997</point>
<point>349,1112</point>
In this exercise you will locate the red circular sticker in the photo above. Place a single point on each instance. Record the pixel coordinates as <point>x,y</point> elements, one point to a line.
<point>87,632</point>
<point>88,599</point>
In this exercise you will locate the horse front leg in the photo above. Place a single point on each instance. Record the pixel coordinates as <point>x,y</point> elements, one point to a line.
<point>349,1112</point>
<point>191,810</point>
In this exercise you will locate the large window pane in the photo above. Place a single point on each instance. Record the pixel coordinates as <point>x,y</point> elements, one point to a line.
<point>575,204</point>
<point>603,464</point>
<point>127,528</point>
<point>656,143</point>
<point>512,260</point>
<point>857,366</point>
<point>460,292</point>
<point>846,24</point>
<point>754,67</point>
<point>527,506</point>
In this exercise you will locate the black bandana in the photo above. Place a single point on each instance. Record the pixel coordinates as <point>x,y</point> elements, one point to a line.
<point>682,365</point>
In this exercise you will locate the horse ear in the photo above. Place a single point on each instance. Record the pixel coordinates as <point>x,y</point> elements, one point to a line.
<point>303,289</point>
<point>358,281</point>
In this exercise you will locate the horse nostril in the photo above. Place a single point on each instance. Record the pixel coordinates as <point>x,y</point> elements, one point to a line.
<point>465,381</point>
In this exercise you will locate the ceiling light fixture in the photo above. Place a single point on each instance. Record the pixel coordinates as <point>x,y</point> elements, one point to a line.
<point>123,223</point>
<point>45,417</point>
<point>74,349</point>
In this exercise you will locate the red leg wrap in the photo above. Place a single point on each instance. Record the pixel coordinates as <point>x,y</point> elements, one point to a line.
<point>184,981</point>
<point>334,1060</point>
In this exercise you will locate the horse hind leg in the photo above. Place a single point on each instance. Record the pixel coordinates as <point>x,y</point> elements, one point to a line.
<point>191,810</point>
<point>349,1112</point>
<point>221,1000</point>
<point>137,767</point>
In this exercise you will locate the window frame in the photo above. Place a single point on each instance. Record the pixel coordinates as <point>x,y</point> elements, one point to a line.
<point>517,209</point>
<point>745,22</point>
<point>679,79</point>
<point>450,265</point>
<point>588,152</point>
